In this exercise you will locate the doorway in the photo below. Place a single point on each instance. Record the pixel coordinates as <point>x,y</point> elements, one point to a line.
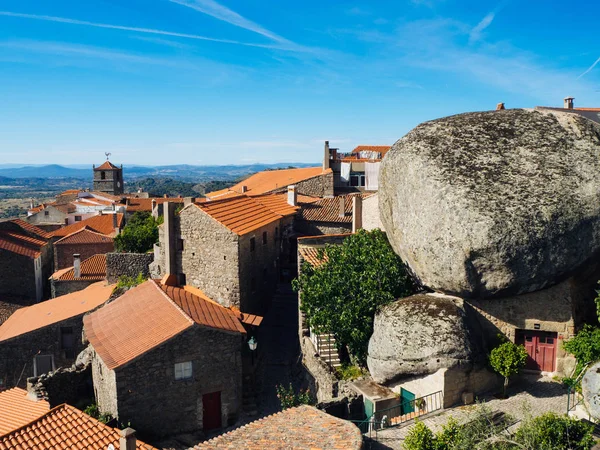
<point>211,411</point>
<point>541,349</point>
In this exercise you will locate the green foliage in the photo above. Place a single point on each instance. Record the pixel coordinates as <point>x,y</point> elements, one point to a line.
<point>126,282</point>
<point>288,398</point>
<point>349,372</point>
<point>139,235</point>
<point>159,186</point>
<point>508,359</point>
<point>553,432</point>
<point>420,437</point>
<point>342,295</point>
<point>585,346</point>
<point>93,411</point>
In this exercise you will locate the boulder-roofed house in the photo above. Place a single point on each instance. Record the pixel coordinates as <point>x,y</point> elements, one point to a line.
<point>40,338</point>
<point>26,259</point>
<point>66,428</point>
<point>231,249</point>
<point>79,276</point>
<point>167,360</point>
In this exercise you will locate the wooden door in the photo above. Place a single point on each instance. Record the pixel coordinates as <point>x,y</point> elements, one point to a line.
<point>407,398</point>
<point>541,349</point>
<point>211,411</point>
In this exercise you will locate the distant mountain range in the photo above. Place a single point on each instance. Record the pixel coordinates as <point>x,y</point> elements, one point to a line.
<point>182,171</point>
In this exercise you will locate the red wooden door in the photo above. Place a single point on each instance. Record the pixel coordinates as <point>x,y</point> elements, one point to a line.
<point>541,349</point>
<point>211,411</point>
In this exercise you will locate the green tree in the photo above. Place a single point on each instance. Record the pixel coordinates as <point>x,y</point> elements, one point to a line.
<point>508,359</point>
<point>553,432</point>
<point>342,295</point>
<point>139,235</point>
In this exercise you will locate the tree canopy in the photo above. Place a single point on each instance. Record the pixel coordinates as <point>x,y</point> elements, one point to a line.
<point>342,295</point>
<point>508,359</point>
<point>139,235</point>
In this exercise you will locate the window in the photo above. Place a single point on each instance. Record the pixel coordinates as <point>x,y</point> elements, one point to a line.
<point>252,244</point>
<point>67,342</point>
<point>357,179</point>
<point>46,212</point>
<point>66,221</point>
<point>264,238</point>
<point>180,245</point>
<point>103,175</point>
<point>77,218</point>
<point>183,371</point>
<point>276,233</point>
<point>42,364</point>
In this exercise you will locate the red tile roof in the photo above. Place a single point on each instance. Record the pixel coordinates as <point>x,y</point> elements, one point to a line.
<point>106,165</point>
<point>300,428</point>
<point>17,409</point>
<point>84,236</point>
<point>102,223</point>
<point>243,214</point>
<point>328,209</point>
<point>21,244</point>
<point>32,229</point>
<point>147,316</point>
<point>268,181</point>
<point>383,149</point>
<point>312,255</point>
<point>92,269</point>
<point>145,204</point>
<point>30,318</point>
<point>64,428</point>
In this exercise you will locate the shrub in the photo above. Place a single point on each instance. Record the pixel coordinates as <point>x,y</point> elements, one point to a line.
<point>288,398</point>
<point>93,411</point>
<point>127,282</point>
<point>508,359</point>
<point>420,437</point>
<point>553,432</point>
<point>349,372</point>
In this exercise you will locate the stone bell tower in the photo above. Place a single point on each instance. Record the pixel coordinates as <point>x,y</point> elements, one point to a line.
<point>108,178</point>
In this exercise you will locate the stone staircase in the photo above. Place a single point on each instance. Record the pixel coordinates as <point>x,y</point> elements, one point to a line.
<point>249,396</point>
<point>326,348</point>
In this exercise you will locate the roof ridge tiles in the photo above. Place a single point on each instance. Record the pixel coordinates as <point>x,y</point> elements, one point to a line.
<point>179,308</point>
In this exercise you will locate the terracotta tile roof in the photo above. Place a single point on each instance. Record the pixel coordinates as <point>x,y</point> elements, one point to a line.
<point>102,223</point>
<point>17,409</point>
<point>303,427</point>
<point>84,236</point>
<point>64,428</point>
<point>92,269</point>
<point>268,181</point>
<point>106,165</point>
<point>328,209</point>
<point>30,318</point>
<point>100,194</point>
<point>145,204</point>
<point>32,229</point>
<point>21,244</point>
<point>204,311</point>
<point>383,149</point>
<point>312,255</point>
<point>249,319</point>
<point>243,214</point>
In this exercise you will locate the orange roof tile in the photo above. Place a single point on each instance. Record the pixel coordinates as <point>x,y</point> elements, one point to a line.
<point>34,317</point>
<point>303,427</point>
<point>106,165</point>
<point>268,181</point>
<point>17,409</point>
<point>312,255</point>
<point>92,269</point>
<point>383,149</point>
<point>328,209</point>
<point>102,223</point>
<point>84,236</point>
<point>244,214</point>
<point>21,244</point>
<point>145,204</point>
<point>64,428</point>
<point>26,226</point>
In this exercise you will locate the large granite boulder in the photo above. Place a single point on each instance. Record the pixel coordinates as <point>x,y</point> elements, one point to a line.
<point>419,335</point>
<point>590,388</point>
<point>494,203</point>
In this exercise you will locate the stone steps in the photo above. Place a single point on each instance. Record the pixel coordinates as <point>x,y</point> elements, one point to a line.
<point>327,350</point>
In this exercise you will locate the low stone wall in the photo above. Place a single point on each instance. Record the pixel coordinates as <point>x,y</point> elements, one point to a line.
<point>59,288</point>
<point>131,264</point>
<point>312,228</point>
<point>318,374</point>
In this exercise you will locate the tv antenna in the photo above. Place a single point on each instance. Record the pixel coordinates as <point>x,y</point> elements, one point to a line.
<point>107,155</point>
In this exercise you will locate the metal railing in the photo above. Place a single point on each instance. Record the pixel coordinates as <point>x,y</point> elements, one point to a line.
<point>318,342</point>
<point>573,396</point>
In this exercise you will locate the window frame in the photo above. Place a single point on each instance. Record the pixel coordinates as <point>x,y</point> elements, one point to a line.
<point>183,371</point>
<point>35,363</point>
<point>252,244</point>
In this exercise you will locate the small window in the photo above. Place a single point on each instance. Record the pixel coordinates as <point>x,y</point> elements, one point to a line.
<point>528,338</point>
<point>180,245</point>
<point>549,340</point>
<point>542,340</point>
<point>77,218</point>
<point>252,244</point>
<point>183,371</point>
<point>46,212</point>
<point>103,175</point>
<point>265,238</point>
<point>43,364</point>
<point>357,180</point>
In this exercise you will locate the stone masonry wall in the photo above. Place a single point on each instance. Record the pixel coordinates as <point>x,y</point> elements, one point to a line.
<point>311,228</point>
<point>155,403</point>
<point>131,264</point>
<point>18,277</point>
<point>319,186</point>
<point>370,213</point>
<point>63,253</point>
<point>49,215</point>
<point>17,354</point>
<point>105,386</point>
<point>66,287</point>
<point>209,258</point>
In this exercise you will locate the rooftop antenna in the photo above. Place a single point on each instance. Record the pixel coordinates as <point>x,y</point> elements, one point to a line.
<point>107,155</point>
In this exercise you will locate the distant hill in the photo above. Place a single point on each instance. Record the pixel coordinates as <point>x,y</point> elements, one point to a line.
<point>50,171</point>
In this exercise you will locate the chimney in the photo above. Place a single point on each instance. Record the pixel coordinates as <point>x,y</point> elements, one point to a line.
<point>31,203</point>
<point>166,196</point>
<point>244,189</point>
<point>356,213</point>
<point>292,195</point>
<point>154,210</point>
<point>342,201</point>
<point>77,265</point>
<point>140,190</point>
<point>500,106</point>
<point>127,439</point>
<point>326,156</point>
<point>568,102</point>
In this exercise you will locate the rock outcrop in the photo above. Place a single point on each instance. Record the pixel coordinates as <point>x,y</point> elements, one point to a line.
<point>418,335</point>
<point>590,388</point>
<point>494,203</point>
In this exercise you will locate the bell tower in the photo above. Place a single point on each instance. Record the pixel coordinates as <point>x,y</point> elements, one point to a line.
<point>108,178</point>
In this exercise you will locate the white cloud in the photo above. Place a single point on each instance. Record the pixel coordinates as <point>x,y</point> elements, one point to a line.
<point>475,34</point>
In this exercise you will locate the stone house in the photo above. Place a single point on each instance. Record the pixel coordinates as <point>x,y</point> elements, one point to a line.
<point>40,338</point>
<point>105,223</point>
<point>79,276</point>
<point>167,360</point>
<point>332,215</point>
<point>85,243</point>
<point>26,258</point>
<point>231,249</point>
<point>48,216</point>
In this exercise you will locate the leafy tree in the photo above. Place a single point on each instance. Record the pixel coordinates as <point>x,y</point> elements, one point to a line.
<point>508,359</point>
<point>342,295</point>
<point>139,235</point>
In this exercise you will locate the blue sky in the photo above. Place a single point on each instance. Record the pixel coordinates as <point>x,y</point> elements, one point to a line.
<point>207,82</point>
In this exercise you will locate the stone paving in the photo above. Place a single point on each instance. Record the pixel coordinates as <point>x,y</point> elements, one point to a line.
<point>531,393</point>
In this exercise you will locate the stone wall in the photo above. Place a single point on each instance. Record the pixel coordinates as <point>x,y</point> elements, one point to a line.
<point>148,396</point>
<point>131,264</point>
<point>319,186</point>
<point>63,253</point>
<point>370,213</point>
<point>48,216</point>
<point>59,288</point>
<point>105,386</point>
<point>312,228</point>
<point>210,258</point>
<point>17,354</point>
<point>18,277</point>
